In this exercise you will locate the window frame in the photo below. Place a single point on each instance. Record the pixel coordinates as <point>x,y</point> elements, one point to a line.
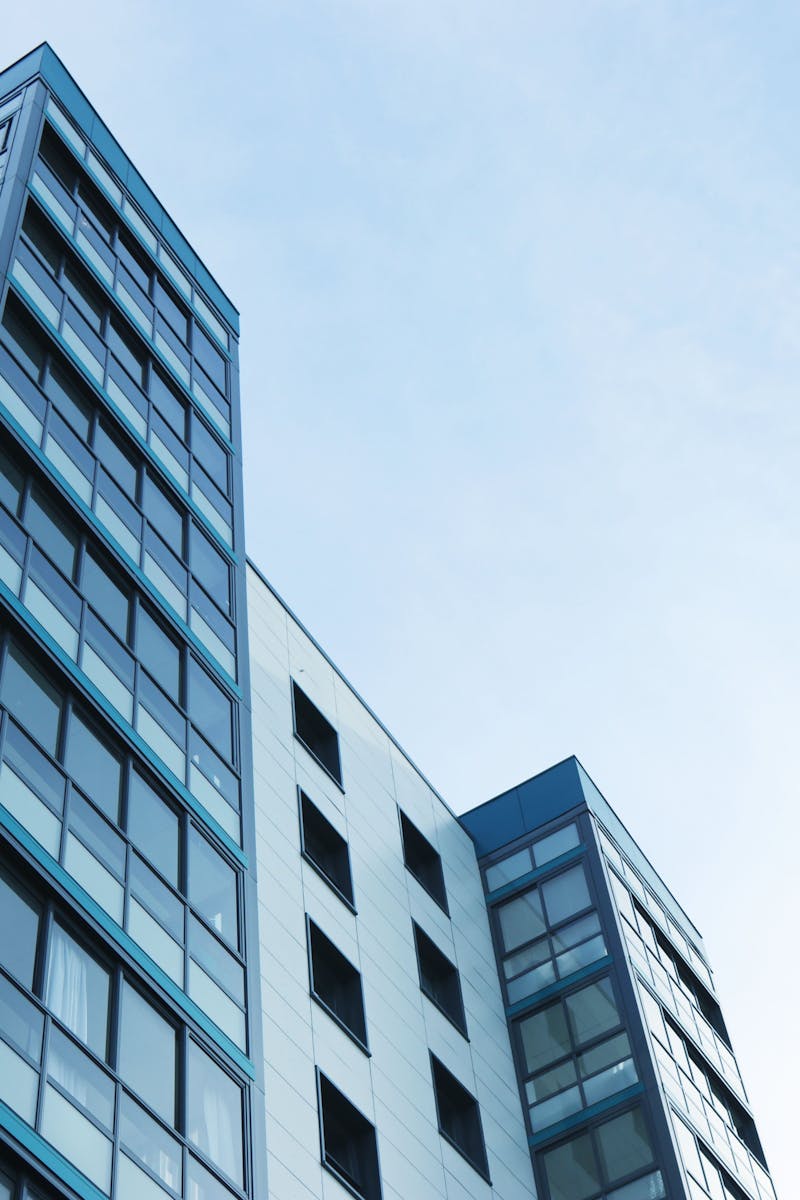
<point>424,943</point>
<point>316,934</point>
<point>317,715</point>
<point>432,857</point>
<point>374,1189</point>
<point>305,800</point>
<point>448,1079</point>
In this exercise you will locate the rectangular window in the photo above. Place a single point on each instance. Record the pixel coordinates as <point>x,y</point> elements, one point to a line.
<point>613,1153</point>
<point>31,698</point>
<point>336,983</point>
<point>214,1115</point>
<point>212,887</point>
<point>316,733</point>
<point>423,861</point>
<point>19,930</point>
<point>147,1052</point>
<point>439,979</point>
<point>77,990</point>
<point>349,1144</point>
<point>459,1117</point>
<point>326,849</point>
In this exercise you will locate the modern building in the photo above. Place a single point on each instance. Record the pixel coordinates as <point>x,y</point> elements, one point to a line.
<point>246,949</point>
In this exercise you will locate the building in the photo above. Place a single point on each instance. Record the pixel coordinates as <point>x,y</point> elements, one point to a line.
<point>246,949</point>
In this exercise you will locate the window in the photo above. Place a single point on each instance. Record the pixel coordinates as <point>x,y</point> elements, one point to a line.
<point>439,979</point>
<point>31,698</point>
<point>214,1117</point>
<point>541,852</point>
<point>316,733</point>
<point>336,984</point>
<point>326,849</point>
<point>349,1145</point>
<point>423,862</point>
<point>598,1160</point>
<point>212,887</point>
<point>547,933</point>
<point>575,1054</point>
<point>147,1052</point>
<point>19,930</point>
<point>459,1117</point>
<point>77,990</point>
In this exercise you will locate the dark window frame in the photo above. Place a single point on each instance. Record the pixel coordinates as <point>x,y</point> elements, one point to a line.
<point>362,1130</point>
<point>442,1079</point>
<point>308,711</point>
<point>318,944</point>
<point>424,945</point>
<point>423,861</point>
<point>345,893</point>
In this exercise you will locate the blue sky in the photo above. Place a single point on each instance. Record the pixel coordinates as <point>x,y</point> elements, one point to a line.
<point>520,343</point>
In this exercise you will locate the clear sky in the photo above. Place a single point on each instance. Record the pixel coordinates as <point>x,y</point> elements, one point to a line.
<point>520,351</point>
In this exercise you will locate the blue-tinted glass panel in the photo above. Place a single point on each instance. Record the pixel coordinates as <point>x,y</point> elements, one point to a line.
<point>147,1053</point>
<point>214,1115</point>
<point>212,887</point>
<point>12,482</point>
<point>117,462</point>
<point>159,654</point>
<point>55,535</point>
<point>165,516</point>
<point>31,698</point>
<point>211,569</point>
<point>106,594</point>
<point>210,709</point>
<point>93,766</point>
<point>77,990</point>
<point>68,398</point>
<point>153,827</point>
<point>19,930</point>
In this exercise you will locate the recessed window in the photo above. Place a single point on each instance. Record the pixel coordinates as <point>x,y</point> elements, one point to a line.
<point>439,979</point>
<point>336,983</point>
<point>349,1145</point>
<point>316,733</point>
<point>423,861</point>
<point>459,1117</point>
<point>326,849</point>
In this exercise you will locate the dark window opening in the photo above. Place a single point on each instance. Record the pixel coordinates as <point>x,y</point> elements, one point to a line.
<point>459,1117</point>
<point>336,983</point>
<point>326,849</point>
<point>439,980</point>
<point>316,733</point>
<point>349,1144</point>
<point>423,862</point>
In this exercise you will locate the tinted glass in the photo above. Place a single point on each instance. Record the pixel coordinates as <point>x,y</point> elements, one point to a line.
<point>212,886</point>
<point>153,827</point>
<point>209,452</point>
<point>11,483</point>
<point>163,515</point>
<point>214,1113</point>
<point>623,1145</point>
<point>31,698</point>
<point>171,408</point>
<point>210,709</point>
<point>571,1170</point>
<point>25,340</point>
<point>159,654</point>
<point>77,990</point>
<point>210,568</point>
<point>592,1010</point>
<point>521,919</point>
<point>106,595</point>
<point>545,1037</point>
<point>117,462</point>
<point>69,400</point>
<point>19,930</point>
<point>147,1053</point>
<point>55,536</point>
<point>93,766</point>
<point>566,894</point>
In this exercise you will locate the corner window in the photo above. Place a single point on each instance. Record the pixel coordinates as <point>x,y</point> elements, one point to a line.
<point>617,1152</point>
<point>326,849</point>
<point>439,979</point>
<point>336,984</point>
<point>316,733</point>
<point>349,1144</point>
<point>423,862</point>
<point>459,1117</point>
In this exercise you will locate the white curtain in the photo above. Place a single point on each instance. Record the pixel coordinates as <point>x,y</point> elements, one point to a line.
<point>67,992</point>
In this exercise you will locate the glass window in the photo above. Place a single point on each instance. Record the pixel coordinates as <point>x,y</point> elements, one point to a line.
<point>120,466</point>
<point>210,709</point>
<point>86,298</point>
<point>12,482</point>
<point>127,351</point>
<point>173,311</point>
<point>25,339</point>
<point>147,1053</point>
<point>592,1010</point>
<point>165,516</point>
<point>548,848</point>
<point>545,1037</point>
<point>153,827</point>
<point>624,1145</point>
<point>521,919</point>
<point>566,894</point>
<point>208,451</point>
<point>77,990</point>
<point>509,869</point>
<point>159,654</point>
<point>108,597</point>
<point>206,353</point>
<point>148,1141</point>
<point>55,536</point>
<point>19,930</point>
<point>31,698</point>
<point>172,409</point>
<point>69,400</point>
<point>214,1113</point>
<point>212,886</point>
<point>571,1170</point>
<point>93,766</point>
<point>211,569</point>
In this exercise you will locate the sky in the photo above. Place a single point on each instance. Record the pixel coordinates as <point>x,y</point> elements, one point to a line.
<point>520,344</point>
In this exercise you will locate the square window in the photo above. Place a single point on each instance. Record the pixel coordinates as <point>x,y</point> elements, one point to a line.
<point>336,984</point>
<point>326,849</point>
<point>439,979</point>
<point>459,1117</point>
<point>423,862</point>
<point>349,1144</point>
<point>316,733</point>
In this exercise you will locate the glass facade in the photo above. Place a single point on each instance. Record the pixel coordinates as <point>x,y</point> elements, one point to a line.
<point>125,827</point>
<point>627,1077</point>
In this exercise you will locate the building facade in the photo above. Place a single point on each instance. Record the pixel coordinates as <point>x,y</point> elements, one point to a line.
<point>246,950</point>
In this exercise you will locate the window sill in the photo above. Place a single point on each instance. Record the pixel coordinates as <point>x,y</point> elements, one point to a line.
<point>363,1047</point>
